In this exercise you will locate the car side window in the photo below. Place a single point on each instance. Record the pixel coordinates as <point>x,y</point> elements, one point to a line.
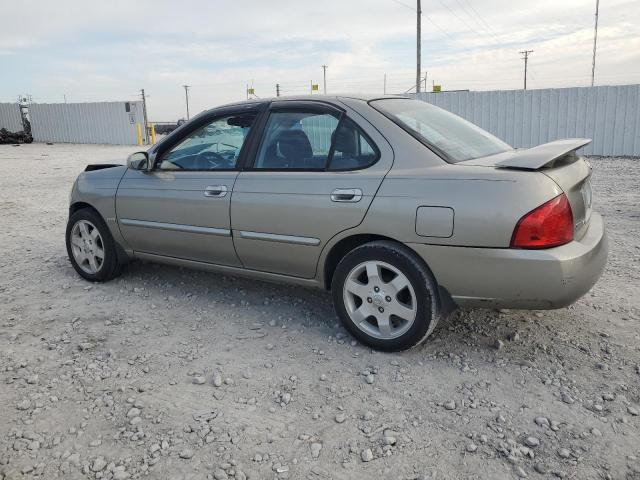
<point>297,140</point>
<point>352,149</point>
<point>215,146</point>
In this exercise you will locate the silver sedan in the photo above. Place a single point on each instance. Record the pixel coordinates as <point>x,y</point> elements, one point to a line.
<point>403,210</point>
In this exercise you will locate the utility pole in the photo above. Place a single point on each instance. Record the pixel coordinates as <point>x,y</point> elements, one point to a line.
<point>277,89</point>
<point>526,59</point>
<point>384,88</point>
<point>595,39</point>
<point>425,80</point>
<point>186,96</point>
<point>324,76</point>
<point>418,44</point>
<point>144,113</point>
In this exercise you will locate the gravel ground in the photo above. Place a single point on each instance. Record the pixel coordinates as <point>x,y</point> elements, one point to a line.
<point>176,374</point>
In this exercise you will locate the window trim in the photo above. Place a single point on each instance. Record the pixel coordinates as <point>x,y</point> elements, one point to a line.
<point>311,107</point>
<point>202,121</point>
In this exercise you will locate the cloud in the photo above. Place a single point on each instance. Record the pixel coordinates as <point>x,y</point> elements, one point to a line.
<point>109,50</point>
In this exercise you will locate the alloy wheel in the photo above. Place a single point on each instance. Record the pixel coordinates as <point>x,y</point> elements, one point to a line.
<point>87,246</point>
<point>380,299</point>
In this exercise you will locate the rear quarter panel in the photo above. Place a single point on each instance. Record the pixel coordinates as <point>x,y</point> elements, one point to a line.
<point>486,204</point>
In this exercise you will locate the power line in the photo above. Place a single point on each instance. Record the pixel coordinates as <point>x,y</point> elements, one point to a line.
<point>460,18</point>
<point>464,9</point>
<point>404,5</point>
<point>453,40</point>
<point>488,30</point>
<point>441,30</point>
<point>481,21</point>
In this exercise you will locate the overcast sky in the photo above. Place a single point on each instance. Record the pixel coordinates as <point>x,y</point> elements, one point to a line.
<point>108,50</point>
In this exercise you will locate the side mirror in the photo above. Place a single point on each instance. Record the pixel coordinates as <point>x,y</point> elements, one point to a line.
<point>138,161</point>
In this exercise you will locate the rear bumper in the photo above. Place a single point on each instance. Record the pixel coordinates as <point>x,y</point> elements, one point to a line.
<point>512,278</point>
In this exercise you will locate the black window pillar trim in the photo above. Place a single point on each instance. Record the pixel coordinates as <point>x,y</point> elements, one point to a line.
<point>253,141</point>
<point>334,139</point>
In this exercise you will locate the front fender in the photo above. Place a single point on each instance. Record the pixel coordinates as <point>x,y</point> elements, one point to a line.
<point>98,189</point>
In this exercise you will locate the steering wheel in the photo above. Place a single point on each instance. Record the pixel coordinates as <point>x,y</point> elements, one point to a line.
<point>206,160</point>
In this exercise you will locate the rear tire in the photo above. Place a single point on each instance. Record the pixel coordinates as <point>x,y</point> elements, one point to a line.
<point>91,248</point>
<point>385,296</point>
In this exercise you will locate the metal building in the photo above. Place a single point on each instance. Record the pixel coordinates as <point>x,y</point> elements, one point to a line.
<point>100,122</point>
<point>10,118</point>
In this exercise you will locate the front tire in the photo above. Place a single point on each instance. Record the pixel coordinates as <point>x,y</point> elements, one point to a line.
<point>385,296</point>
<point>90,246</point>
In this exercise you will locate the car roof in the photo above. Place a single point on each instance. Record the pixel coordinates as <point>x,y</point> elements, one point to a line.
<point>312,98</point>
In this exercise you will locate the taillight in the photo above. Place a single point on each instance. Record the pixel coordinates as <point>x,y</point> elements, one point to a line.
<point>549,225</point>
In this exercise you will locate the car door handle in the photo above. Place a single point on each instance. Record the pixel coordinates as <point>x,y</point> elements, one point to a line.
<point>346,195</point>
<point>215,191</point>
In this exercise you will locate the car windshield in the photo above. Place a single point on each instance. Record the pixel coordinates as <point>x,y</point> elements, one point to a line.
<point>451,135</point>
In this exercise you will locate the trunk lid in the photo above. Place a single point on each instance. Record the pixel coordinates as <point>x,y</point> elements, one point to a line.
<point>574,178</point>
<point>557,160</point>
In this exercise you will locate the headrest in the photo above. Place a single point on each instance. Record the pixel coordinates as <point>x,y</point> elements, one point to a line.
<point>346,142</point>
<point>294,144</point>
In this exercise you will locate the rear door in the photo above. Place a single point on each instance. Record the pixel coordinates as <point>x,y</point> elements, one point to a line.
<point>180,208</point>
<point>315,172</point>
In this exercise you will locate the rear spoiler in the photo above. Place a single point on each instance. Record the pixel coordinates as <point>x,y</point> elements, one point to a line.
<point>537,157</point>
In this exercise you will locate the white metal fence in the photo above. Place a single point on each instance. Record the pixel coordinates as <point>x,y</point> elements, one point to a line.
<point>10,117</point>
<point>101,122</point>
<point>609,115</point>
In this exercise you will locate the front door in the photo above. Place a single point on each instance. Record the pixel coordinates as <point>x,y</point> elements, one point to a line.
<point>181,207</point>
<point>315,173</point>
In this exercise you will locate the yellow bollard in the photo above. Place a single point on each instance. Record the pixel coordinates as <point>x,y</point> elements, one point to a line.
<point>139,132</point>
<point>153,134</point>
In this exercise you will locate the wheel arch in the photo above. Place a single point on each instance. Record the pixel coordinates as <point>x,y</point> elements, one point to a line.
<point>341,248</point>
<point>347,244</point>
<point>76,206</point>
<point>81,205</point>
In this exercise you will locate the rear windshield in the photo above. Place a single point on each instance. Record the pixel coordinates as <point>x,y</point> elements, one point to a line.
<point>451,136</point>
